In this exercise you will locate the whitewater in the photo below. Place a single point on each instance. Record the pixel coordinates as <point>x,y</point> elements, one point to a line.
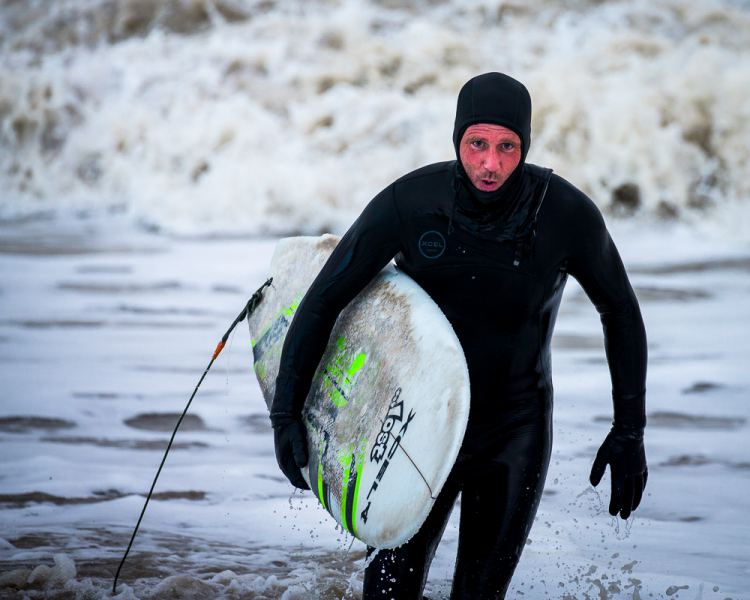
<point>188,115</point>
<point>151,154</point>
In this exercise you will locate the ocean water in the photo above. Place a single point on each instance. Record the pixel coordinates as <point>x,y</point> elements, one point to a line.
<point>104,334</point>
<point>270,117</point>
<point>151,153</point>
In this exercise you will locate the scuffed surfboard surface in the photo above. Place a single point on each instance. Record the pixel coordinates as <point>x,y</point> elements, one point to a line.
<point>389,403</point>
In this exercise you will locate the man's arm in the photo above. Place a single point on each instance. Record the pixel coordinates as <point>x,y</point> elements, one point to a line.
<point>596,264</point>
<point>365,249</point>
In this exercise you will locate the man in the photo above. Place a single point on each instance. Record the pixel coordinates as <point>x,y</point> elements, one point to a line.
<point>511,233</point>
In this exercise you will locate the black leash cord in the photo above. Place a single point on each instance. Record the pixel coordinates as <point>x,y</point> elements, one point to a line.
<point>246,312</point>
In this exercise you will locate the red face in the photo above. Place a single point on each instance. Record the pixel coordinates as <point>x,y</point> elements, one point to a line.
<point>489,154</point>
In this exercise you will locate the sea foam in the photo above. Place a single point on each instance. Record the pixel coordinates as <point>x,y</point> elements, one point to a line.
<point>241,116</point>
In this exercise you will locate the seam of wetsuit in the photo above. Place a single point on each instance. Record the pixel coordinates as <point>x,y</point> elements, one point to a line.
<point>547,176</point>
<point>550,289</point>
<point>456,183</point>
<point>542,361</point>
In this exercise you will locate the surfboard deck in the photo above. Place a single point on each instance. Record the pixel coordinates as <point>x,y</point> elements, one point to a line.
<point>389,402</point>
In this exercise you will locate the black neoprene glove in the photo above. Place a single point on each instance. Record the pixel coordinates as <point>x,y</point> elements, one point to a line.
<point>290,442</point>
<point>623,451</point>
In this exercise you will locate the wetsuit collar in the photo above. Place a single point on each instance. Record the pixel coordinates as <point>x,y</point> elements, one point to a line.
<point>500,199</point>
<point>514,219</point>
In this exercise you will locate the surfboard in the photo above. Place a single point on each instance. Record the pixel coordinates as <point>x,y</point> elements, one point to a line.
<point>389,402</point>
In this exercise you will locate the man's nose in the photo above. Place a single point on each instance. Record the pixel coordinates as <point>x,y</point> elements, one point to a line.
<point>491,160</point>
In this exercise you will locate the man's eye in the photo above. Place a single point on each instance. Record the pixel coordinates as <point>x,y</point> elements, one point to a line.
<point>507,146</point>
<point>478,144</point>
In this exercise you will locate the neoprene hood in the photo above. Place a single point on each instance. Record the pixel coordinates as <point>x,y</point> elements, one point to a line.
<point>498,99</point>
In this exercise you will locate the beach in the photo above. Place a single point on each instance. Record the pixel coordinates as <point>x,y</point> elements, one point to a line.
<point>152,153</point>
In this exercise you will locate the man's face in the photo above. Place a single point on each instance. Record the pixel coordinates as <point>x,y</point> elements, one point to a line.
<point>489,154</point>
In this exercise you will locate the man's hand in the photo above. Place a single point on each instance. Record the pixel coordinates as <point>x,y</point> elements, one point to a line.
<point>290,442</point>
<point>623,451</point>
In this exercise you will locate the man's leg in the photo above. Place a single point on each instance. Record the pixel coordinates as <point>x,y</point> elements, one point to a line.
<point>498,503</point>
<point>401,573</point>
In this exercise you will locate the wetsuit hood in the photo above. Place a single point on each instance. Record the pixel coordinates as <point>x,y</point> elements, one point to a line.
<point>498,99</point>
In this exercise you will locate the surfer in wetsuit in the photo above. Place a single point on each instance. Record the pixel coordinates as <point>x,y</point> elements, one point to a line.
<point>492,239</point>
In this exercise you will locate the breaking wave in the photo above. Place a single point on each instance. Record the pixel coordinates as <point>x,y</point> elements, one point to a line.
<point>270,117</point>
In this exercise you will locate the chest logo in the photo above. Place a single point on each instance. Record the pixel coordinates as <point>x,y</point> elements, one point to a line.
<point>432,244</point>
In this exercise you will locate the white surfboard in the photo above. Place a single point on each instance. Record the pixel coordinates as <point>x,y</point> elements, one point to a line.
<point>389,403</point>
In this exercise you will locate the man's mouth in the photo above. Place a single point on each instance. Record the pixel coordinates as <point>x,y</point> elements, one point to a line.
<point>488,183</point>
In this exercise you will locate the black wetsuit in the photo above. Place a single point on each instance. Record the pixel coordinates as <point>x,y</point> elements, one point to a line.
<point>502,298</point>
<point>497,269</point>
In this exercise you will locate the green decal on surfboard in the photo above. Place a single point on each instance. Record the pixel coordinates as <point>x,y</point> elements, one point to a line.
<point>267,346</point>
<point>345,458</point>
<point>287,312</point>
<point>340,373</point>
<point>321,495</point>
<point>352,464</point>
<point>322,486</point>
<point>355,496</point>
<point>260,370</point>
<point>316,473</point>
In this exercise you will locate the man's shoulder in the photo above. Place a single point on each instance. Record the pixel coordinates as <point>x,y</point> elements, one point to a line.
<point>565,187</point>
<point>435,171</point>
<point>563,192</point>
<point>568,204</point>
<point>425,189</point>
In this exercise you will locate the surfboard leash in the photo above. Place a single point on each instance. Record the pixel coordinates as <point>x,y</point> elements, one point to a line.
<point>411,460</point>
<point>248,309</point>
